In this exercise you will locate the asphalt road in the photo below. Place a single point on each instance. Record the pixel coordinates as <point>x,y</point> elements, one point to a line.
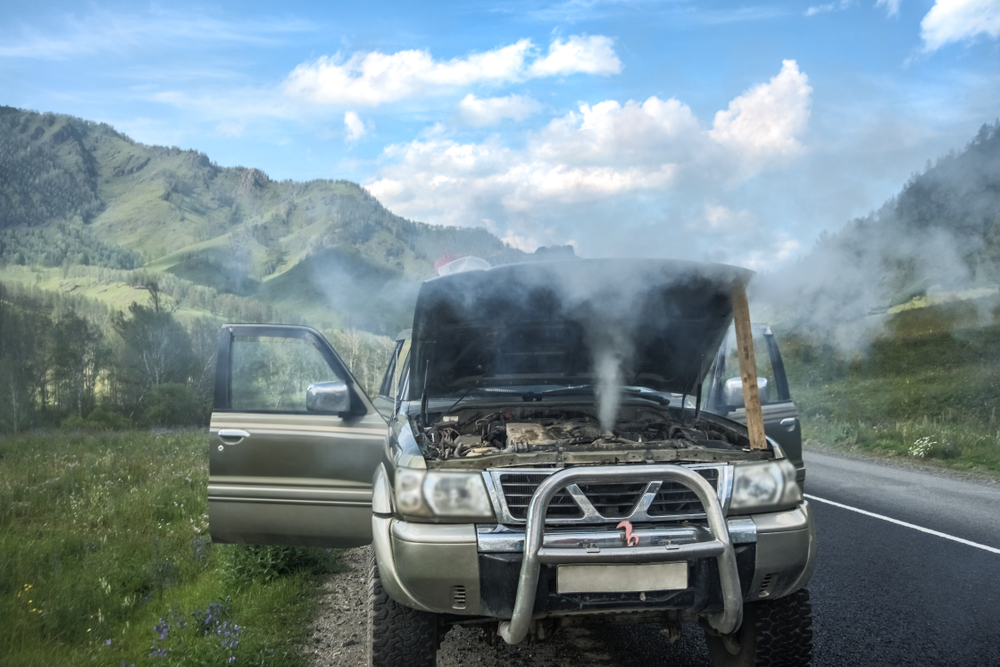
<point>888,594</point>
<point>883,593</point>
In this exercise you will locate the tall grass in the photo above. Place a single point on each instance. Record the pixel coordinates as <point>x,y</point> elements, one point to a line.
<point>928,388</point>
<point>103,544</point>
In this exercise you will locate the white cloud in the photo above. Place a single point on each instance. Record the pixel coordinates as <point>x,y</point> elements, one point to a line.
<point>959,20</point>
<point>104,31</point>
<point>891,6</point>
<point>241,104</point>
<point>590,55</point>
<point>647,133</point>
<point>231,128</point>
<point>354,127</point>
<point>832,6</point>
<point>765,121</point>
<point>722,219</point>
<point>820,9</point>
<point>602,165</point>
<point>480,112</point>
<point>371,79</point>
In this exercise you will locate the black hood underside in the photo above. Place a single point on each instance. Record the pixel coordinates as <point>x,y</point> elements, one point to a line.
<point>651,323</point>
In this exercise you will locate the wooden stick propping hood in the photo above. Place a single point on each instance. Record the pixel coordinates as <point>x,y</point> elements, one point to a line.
<point>748,367</point>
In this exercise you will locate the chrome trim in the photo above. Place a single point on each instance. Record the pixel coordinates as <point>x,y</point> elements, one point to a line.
<point>718,543</point>
<point>284,494</point>
<point>725,489</point>
<point>381,493</point>
<point>590,515</point>
<point>501,539</point>
<point>742,530</point>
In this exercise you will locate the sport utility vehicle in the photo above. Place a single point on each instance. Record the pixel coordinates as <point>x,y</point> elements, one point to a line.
<point>539,456</point>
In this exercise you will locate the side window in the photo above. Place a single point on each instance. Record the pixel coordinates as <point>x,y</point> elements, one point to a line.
<point>771,390</point>
<point>385,389</point>
<point>271,373</point>
<point>394,372</point>
<point>401,365</point>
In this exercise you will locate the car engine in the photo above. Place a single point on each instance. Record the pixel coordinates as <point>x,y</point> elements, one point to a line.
<point>471,432</point>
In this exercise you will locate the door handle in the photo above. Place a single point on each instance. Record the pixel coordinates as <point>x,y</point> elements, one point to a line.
<point>789,423</point>
<point>232,436</point>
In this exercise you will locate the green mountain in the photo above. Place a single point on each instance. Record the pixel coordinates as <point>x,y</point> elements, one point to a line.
<point>75,194</point>
<point>87,210</point>
<point>937,240</point>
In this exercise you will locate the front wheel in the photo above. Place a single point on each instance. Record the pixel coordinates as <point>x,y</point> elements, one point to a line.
<point>398,636</point>
<point>774,633</point>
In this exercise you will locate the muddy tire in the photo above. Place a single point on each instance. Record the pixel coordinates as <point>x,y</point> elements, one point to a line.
<point>398,636</point>
<point>774,633</point>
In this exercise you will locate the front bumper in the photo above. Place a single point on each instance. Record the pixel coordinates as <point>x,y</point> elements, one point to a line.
<point>504,573</point>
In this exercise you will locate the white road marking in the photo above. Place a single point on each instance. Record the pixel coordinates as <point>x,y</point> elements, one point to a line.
<point>907,525</point>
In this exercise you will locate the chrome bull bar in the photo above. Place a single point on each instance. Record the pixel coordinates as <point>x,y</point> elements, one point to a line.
<point>721,547</point>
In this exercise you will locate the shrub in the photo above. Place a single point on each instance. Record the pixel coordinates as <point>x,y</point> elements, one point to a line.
<point>262,564</point>
<point>173,404</point>
<point>100,418</point>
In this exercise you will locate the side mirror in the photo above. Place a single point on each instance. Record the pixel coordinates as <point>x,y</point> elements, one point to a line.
<point>732,392</point>
<point>330,397</point>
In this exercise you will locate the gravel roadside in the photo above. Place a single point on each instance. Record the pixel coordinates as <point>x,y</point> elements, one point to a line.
<point>337,636</point>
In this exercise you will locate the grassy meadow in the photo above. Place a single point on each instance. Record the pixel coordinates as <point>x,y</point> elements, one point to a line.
<point>105,559</point>
<point>927,388</point>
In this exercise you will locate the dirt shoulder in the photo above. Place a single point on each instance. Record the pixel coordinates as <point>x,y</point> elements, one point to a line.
<point>337,635</point>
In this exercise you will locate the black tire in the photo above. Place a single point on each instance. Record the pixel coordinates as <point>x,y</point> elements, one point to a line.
<point>398,636</point>
<point>774,633</point>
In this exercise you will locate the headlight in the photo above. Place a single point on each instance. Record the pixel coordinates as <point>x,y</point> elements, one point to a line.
<point>409,498</point>
<point>457,494</point>
<point>443,494</point>
<point>766,486</point>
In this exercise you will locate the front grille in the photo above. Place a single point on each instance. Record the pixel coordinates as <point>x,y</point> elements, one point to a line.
<point>518,489</point>
<point>612,501</point>
<point>675,498</point>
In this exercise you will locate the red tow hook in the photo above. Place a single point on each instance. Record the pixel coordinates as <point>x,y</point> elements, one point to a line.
<point>630,539</point>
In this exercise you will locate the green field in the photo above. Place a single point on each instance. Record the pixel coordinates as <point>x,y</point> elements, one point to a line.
<point>105,559</point>
<point>927,388</point>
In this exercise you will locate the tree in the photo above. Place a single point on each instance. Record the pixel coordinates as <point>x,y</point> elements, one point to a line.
<point>153,349</point>
<point>77,356</point>
<point>23,366</point>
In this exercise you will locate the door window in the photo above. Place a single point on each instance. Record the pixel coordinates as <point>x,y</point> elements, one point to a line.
<point>771,383</point>
<point>766,383</point>
<point>272,373</point>
<point>393,374</point>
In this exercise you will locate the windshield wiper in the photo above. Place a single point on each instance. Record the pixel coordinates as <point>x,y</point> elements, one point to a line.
<point>590,389</point>
<point>533,396</point>
<point>530,396</point>
<point>647,395</point>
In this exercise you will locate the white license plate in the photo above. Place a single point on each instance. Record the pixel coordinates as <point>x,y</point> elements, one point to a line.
<point>624,578</point>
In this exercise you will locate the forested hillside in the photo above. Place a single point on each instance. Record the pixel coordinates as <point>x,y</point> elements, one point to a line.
<point>74,193</point>
<point>118,262</point>
<point>939,238</point>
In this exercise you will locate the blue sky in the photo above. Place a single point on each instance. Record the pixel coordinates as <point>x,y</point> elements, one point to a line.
<point>712,131</point>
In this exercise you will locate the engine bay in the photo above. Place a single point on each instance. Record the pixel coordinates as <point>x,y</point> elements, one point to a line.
<point>471,432</point>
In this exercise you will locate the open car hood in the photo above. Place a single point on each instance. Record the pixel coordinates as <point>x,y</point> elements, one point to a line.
<point>649,323</point>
